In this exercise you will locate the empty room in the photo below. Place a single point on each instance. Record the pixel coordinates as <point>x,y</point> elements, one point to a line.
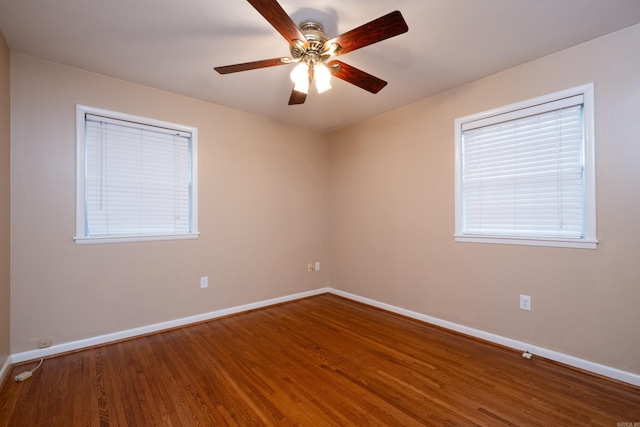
<point>319,213</point>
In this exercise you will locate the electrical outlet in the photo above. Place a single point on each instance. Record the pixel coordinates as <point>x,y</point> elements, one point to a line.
<point>310,267</point>
<point>317,266</point>
<point>204,282</point>
<point>45,343</point>
<point>525,302</point>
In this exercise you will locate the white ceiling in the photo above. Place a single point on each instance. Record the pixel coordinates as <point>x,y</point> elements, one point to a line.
<point>174,45</point>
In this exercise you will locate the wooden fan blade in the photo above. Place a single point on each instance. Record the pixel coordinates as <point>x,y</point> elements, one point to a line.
<point>297,98</point>
<point>385,27</point>
<point>278,18</point>
<point>356,77</point>
<point>226,69</point>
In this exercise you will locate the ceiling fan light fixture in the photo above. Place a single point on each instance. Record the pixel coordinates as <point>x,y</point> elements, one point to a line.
<point>300,78</point>
<point>312,50</point>
<point>322,76</point>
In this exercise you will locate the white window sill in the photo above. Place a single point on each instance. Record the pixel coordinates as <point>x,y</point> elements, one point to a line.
<point>83,240</point>
<point>557,243</point>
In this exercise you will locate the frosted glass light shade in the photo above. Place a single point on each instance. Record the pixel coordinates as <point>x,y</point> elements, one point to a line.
<point>300,77</point>
<point>323,77</point>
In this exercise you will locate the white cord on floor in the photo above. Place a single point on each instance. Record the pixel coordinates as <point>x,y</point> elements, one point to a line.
<point>27,374</point>
<point>34,369</point>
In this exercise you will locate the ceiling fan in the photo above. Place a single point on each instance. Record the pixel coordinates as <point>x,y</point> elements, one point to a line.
<point>312,50</point>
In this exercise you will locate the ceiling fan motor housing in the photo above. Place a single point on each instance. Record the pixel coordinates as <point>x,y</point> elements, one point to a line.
<point>316,37</point>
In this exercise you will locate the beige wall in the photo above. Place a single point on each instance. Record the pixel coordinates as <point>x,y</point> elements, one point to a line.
<point>262,216</point>
<point>391,215</point>
<point>5,143</point>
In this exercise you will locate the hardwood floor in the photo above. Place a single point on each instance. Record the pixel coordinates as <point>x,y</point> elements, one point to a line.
<point>321,361</point>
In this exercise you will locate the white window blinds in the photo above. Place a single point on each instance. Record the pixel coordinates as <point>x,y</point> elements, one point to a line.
<point>138,179</point>
<point>523,173</point>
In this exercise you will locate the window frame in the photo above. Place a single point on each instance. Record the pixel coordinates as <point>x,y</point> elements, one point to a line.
<point>589,240</point>
<point>80,237</point>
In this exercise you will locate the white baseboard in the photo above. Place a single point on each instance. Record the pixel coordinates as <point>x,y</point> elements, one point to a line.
<point>586,365</point>
<point>607,371</point>
<point>5,369</point>
<point>130,333</point>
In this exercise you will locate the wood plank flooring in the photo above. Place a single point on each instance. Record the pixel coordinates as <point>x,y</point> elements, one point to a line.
<point>321,361</point>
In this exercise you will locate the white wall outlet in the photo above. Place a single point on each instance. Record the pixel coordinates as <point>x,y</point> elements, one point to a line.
<point>204,282</point>
<point>310,267</point>
<point>525,302</point>
<point>45,343</point>
<point>317,267</point>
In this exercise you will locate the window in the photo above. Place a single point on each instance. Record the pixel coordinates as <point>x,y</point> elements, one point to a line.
<point>525,173</point>
<point>136,178</point>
